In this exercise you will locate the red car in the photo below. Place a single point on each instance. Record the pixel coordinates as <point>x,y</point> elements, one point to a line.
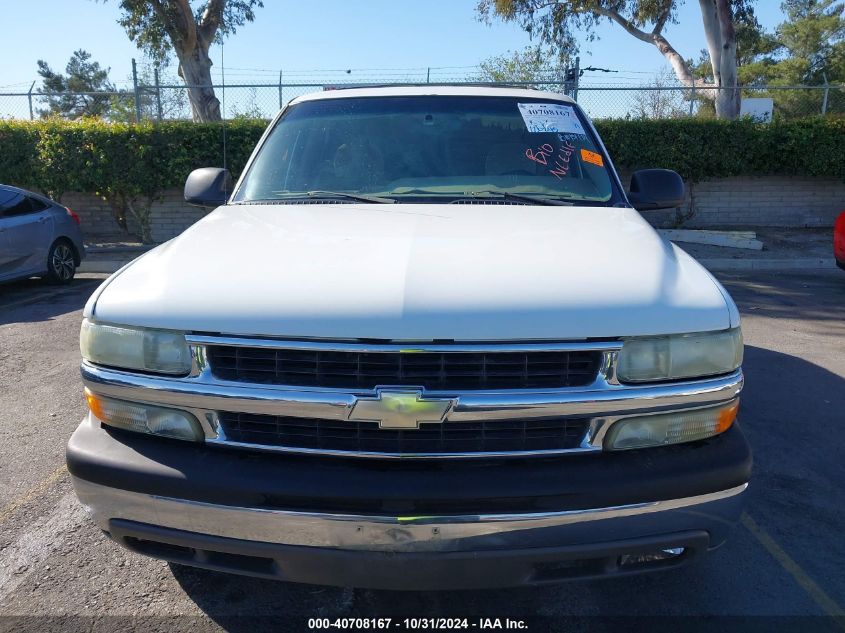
<point>839,240</point>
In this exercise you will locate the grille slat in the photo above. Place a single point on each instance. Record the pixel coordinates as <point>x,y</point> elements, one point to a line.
<point>435,438</point>
<point>453,371</point>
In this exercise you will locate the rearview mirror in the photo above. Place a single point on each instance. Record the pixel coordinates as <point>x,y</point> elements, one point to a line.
<point>656,189</point>
<point>208,187</point>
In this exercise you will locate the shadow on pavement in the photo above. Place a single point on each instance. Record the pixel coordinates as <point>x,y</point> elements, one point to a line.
<point>33,300</point>
<point>810,295</point>
<point>793,413</point>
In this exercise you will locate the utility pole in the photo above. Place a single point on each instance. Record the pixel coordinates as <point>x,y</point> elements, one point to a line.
<point>158,94</point>
<point>692,99</point>
<point>826,92</point>
<point>29,96</point>
<point>137,95</point>
<point>570,79</point>
<point>281,101</point>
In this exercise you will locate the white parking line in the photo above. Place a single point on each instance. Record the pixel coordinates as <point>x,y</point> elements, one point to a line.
<point>32,493</point>
<point>819,595</point>
<point>29,550</point>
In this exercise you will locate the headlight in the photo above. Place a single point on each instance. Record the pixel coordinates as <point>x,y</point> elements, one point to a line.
<point>144,418</point>
<point>670,428</point>
<point>159,351</point>
<point>679,356</point>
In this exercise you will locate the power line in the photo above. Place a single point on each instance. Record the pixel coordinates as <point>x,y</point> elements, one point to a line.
<point>596,70</point>
<point>348,70</point>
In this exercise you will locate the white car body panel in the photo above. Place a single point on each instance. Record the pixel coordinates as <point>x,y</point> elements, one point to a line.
<point>418,272</point>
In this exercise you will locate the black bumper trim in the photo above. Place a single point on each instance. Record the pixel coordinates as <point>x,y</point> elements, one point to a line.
<point>170,468</point>
<point>403,570</point>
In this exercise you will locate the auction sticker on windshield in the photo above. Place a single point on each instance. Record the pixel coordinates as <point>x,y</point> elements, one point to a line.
<point>550,117</point>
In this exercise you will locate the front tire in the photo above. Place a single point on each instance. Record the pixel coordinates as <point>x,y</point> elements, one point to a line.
<point>61,263</point>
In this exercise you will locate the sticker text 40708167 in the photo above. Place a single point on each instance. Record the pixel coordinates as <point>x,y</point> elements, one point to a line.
<point>542,118</point>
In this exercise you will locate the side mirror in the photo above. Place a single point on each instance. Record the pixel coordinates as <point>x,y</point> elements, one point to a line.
<point>656,189</point>
<point>208,187</point>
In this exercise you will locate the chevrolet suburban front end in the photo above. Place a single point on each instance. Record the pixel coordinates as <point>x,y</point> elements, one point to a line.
<point>426,342</point>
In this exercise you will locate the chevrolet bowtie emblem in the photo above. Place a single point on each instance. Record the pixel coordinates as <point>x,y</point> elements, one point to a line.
<point>395,409</point>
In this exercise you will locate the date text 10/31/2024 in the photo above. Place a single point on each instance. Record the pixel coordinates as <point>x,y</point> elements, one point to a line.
<point>359,624</point>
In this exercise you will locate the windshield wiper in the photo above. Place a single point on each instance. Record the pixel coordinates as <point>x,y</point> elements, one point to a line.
<point>353,196</point>
<point>507,195</point>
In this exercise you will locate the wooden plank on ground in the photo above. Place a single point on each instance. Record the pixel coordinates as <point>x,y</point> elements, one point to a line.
<point>730,239</point>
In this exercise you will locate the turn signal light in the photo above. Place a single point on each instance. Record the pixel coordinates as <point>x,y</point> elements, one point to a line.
<point>671,428</point>
<point>727,417</point>
<point>144,418</point>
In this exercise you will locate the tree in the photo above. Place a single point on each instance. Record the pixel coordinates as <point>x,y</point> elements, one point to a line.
<point>808,48</point>
<point>83,76</point>
<point>814,33</point>
<point>661,101</point>
<point>751,42</point>
<point>160,27</point>
<point>804,49</point>
<point>557,23</point>
<point>169,102</point>
<point>533,66</point>
<point>129,192</point>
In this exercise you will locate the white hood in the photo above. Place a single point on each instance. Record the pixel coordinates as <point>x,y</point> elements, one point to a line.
<point>417,272</point>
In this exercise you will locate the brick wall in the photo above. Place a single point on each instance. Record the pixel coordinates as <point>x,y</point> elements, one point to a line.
<point>170,216</point>
<point>748,202</point>
<point>752,202</point>
<point>97,217</point>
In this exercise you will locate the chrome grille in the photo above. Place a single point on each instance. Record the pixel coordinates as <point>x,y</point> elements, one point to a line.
<point>442,371</point>
<point>506,436</point>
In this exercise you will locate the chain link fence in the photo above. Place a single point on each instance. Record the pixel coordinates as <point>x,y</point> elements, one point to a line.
<point>165,102</point>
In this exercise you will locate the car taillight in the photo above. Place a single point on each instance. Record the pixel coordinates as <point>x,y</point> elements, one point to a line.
<point>839,238</point>
<point>74,216</point>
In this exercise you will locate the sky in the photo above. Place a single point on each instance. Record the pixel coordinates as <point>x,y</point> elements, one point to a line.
<point>370,37</point>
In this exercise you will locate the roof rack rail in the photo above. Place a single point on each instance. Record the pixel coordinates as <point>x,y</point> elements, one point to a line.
<point>415,84</point>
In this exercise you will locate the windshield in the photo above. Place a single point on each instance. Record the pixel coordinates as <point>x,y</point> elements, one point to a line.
<point>430,149</point>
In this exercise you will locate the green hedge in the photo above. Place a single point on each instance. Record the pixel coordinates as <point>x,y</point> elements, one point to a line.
<point>130,165</point>
<point>125,164</point>
<point>55,156</point>
<point>701,149</point>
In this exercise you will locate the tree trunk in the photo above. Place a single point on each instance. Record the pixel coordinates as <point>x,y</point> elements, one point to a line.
<point>678,63</point>
<point>713,36</point>
<point>728,102</point>
<point>717,17</point>
<point>195,69</point>
<point>719,32</point>
<point>143,215</point>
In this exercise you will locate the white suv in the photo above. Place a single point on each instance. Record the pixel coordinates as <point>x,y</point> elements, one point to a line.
<point>426,342</point>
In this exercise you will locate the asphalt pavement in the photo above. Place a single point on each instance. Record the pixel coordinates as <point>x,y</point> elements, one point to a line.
<point>782,570</point>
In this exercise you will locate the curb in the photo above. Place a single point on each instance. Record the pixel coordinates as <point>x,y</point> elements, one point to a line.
<point>806,263</point>
<point>118,250</point>
<point>107,266</point>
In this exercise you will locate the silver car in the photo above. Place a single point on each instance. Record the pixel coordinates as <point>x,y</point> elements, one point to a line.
<point>38,237</point>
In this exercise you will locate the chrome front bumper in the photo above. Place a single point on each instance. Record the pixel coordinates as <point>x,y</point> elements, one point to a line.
<point>416,553</point>
<point>413,533</point>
